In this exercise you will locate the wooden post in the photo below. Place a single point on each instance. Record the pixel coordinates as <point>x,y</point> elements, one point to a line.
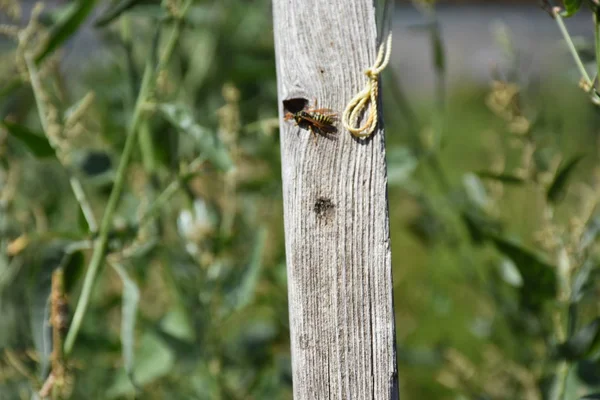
<point>335,208</point>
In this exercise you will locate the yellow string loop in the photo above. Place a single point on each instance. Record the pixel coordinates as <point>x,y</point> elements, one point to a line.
<point>368,94</point>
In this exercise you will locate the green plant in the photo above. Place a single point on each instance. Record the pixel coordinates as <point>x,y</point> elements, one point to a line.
<point>149,205</point>
<point>502,217</point>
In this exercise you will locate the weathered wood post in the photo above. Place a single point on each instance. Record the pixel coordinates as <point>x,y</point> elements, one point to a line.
<point>335,208</point>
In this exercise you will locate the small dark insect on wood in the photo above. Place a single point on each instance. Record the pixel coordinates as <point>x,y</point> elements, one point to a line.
<point>316,120</point>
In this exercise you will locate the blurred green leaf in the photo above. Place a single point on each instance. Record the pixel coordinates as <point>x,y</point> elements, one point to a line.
<point>572,319</point>
<point>204,383</point>
<point>581,281</point>
<point>571,7</point>
<point>153,359</point>
<point>593,396</point>
<point>42,332</point>
<point>7,273</point>
<point>243,294</point>
<point>12,86</point>
<point>82,221</point>
<point>479,225</point>
<point>504,178</point>
<point>36,143</point>
<point>427,225</point>
<point>582,344</point>
<point>402,163</point>
<point>115,11</point>
<point>475,227</point>
<point>182,118</point>
<point>73,266</point>
<point>543,158</point>
<point>503,39</point>
<point>588,372</point>
<point>66,27</point>
<point>475,190</point>
<point>558,186</point>
<point>51,16</point>
<point>202,48</point>
<point>439,58</point>
<point>590,234</point>
<point>178,324</point>
<point>510,273</point>
<point>539,279</point>
<point>51,256</point>
<point>131,297</point>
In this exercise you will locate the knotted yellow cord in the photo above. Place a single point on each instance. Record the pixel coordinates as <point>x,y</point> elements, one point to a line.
<point>369,94</point>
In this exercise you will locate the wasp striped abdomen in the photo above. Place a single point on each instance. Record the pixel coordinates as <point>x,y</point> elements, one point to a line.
<point>322,119</point>
<point>315,120</point>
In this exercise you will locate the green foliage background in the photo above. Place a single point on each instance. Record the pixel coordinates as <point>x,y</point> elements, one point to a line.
<point>493,196</point>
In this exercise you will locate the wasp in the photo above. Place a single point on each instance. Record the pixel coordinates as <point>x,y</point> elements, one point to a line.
<point>316,120</point>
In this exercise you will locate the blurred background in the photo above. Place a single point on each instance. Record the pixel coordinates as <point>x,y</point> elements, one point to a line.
<point>492,151</point>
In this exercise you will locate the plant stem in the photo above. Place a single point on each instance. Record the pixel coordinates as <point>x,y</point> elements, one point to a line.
<point>562,370</point>
<point>84,204</point>
<point>75,183</point>
<point>437,49</point>
<point>145,135</point>
<point>102,241</point>
<point>561,26</point>
<point>160,201</point>
<point>173,187</point>
<point>147,148</point>
<point>57,319</point>
<point>597,42</point>
<point>99,252</point>
<point>563,273</point>
<point>562,374</point>
<point>170,46</point>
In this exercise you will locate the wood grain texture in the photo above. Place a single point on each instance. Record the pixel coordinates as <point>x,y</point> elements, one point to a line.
<point>335,209</point>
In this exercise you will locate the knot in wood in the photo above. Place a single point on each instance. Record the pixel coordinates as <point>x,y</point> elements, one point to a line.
<point>323,208</point>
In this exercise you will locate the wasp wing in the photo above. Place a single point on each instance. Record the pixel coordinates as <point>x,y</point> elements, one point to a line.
<point>325,128</point>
